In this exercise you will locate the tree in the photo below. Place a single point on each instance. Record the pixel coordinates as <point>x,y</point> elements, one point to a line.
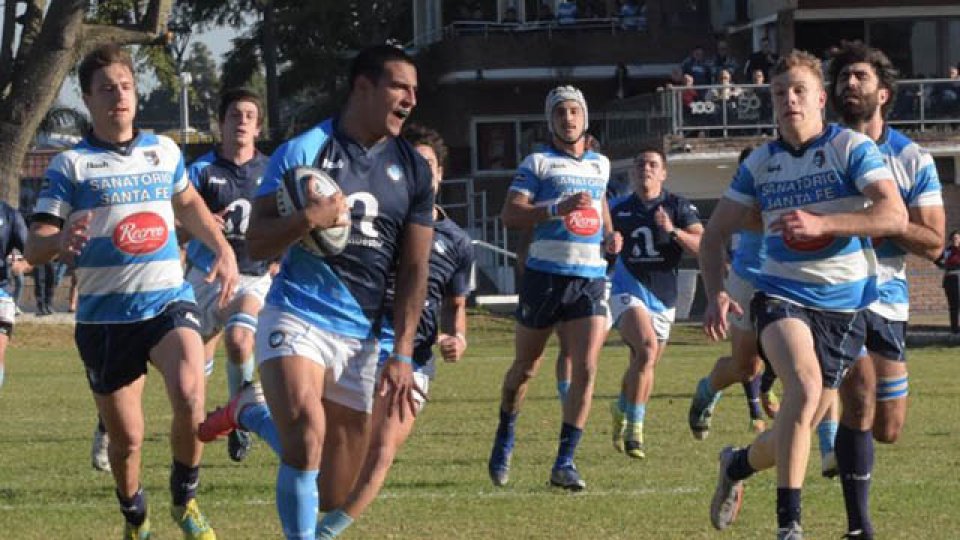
<point>52,40</point>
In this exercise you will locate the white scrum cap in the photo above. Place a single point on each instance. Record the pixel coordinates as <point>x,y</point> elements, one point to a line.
<point>565,93</point>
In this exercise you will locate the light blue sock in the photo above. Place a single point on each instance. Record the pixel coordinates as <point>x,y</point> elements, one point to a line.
<point>1,376</point>
<point>827,434</point>
<point>256,418</point>
<point>563,388</point>
<point>622,403</point>
<point>634,412</point>
<point>297,502</point>
<point>237,375</point>
<point>333,524</point>
<point>704,392</point>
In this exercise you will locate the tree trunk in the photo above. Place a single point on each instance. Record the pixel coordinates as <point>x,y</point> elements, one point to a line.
<point>37,77</point>
<point>269,50</point>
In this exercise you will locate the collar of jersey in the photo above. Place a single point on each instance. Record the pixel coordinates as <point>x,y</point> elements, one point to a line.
<point>95,142</point>
<point>563,153</point>
<point>798,152</point>
<point>353,148</point>
<point>224,162</point>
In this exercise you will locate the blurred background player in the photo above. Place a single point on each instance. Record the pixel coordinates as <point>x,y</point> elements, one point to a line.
<point>228,178</point>
<point>316,345</point>
<point>13,237</point>
<point>559,193</point>
<point>874,393</point>
<point>658,227</point>
<point>98,214</point>
<point>820,190</point>
<point>744,365</point>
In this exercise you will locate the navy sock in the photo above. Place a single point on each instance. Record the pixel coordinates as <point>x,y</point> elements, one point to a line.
<point>134,509</point>
<point>767,380</point>
<point>752,390</point>
<point>100,427</point>
<point>183,483</point>
<point>508,422</point>
<point>739,468</point>
<point>854,451</point>
<point>788,506</point>
<point>569,439</point>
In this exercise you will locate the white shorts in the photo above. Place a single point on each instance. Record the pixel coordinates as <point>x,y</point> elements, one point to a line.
<point>662,322</point>
<point>350,363</point>
<point>8,309</point>
<point>207,295</point>
<point>422,379</point>
<point>740,291</point>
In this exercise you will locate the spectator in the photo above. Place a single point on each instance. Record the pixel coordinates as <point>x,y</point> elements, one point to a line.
<point>723,61</point>
<point>567,12</point>
<point>945,96</point>
<point>633,16</point>
<point>676,78</point>
<point>950,262</point>
<point>764,59</point>
<point>545,13</point>
<point>698,67</point>
<point>689,95</point>
<point>44,286</point>
<point>727,91</point>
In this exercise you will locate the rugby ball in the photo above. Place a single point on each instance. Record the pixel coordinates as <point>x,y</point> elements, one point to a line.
<point>292,197</point>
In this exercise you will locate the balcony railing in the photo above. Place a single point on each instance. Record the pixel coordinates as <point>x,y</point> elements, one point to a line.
<point>488,28</point>
<point>747,110</point>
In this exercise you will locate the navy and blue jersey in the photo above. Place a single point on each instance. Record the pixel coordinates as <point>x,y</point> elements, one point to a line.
<point>130,269</point>
<point>13,236</point>
<point>827,175</point>
<point>649,256</point>
<point>386,187</point>
<point>919,185</point>
<point>224,185</point>
<point>451,261</point>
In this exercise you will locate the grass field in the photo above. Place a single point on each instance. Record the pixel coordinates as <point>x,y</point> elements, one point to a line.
<point>439,487</point>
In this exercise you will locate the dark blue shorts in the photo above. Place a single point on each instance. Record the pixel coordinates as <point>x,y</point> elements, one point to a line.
<point>546,299</point>
<point>115,355</point>
<point>838,336</point>
<point>885,337</point>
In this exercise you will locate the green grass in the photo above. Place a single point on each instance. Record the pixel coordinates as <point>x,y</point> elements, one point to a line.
<point>439,488</point>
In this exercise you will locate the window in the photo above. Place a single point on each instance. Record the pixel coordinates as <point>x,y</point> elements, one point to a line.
<point>496,147</point>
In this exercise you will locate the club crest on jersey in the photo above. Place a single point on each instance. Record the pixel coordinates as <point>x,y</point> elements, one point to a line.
<point>394,172</point>
<point>140,233</point>
<point>152,157</point>
<point>818,158</point>
<point>437,246</point>
<point>276,339</point>
<point>582,222</point>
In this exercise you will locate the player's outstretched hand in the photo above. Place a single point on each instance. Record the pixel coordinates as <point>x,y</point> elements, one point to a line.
<point>225,271</point>
<point>451,347</point>
<point>396,383</point>
<point>74,237</point>
<point>715,317</point>
<point>613,243</point>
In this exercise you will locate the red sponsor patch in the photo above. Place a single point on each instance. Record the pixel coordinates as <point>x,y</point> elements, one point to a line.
<point>140,233</point>
<point>811,244</point>
<point>583,222</point>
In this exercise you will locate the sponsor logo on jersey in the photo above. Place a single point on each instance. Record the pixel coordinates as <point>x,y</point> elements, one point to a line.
<point>810,244</point>
<point>438,247</point>
<point>327,164</point>
<point>141,233</point>
<point>773,168</point>
<point>97,165</point>
<point>394,172</point>
<point>276,339</point>
<point>583,222</point>
<point>217,180</point>
<point>152,157</point>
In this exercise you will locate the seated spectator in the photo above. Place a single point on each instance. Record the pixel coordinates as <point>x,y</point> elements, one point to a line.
<point>764,59</point>
<point>727,90</point>
<point>545,13</point>
<point>696,66</point>
<point>945,96</point>
<point>689,95</point>
<point>633,16</point>
<point>567,12</point>
<point>723,61</point>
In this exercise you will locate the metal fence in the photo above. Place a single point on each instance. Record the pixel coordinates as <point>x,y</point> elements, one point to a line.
<point>747,109</point>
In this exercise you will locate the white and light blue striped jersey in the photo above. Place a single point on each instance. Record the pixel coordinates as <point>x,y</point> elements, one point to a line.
<point>566,245</point>
<point>828,175</point>
<point>919,185</point>
<point>130,269</point>
<point>747,257</point>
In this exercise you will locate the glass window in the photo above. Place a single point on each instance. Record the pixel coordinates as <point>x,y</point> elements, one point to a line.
<point>533,136</point>
<point>911,45</point>
<point>496,146</point>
